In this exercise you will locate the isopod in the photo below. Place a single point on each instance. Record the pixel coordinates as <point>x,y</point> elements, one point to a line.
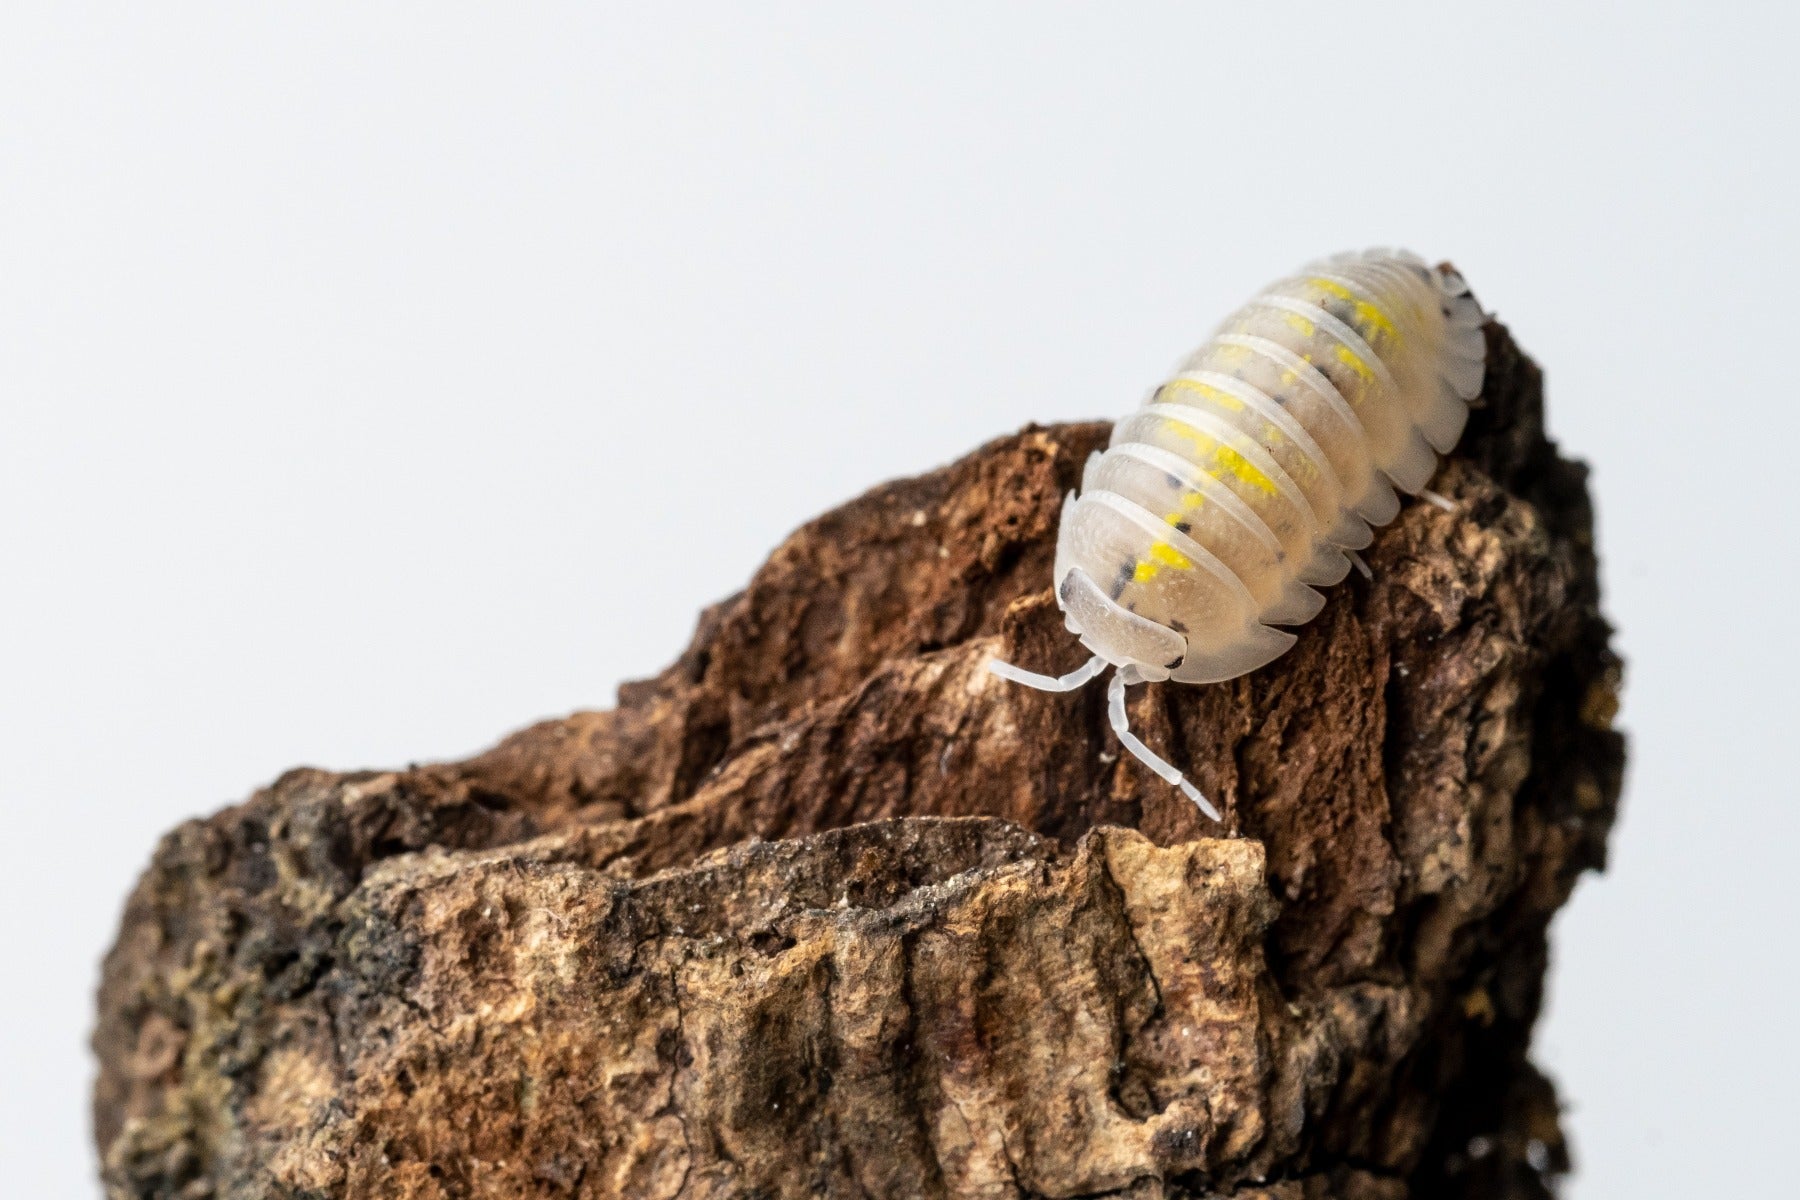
<point>1253,477</point>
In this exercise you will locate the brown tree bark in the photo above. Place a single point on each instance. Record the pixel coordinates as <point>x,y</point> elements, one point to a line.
<point>827,910</point>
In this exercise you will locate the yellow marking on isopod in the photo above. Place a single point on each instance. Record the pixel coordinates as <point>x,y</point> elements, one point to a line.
<point>1169,556</point>
<point>1161,555</point>
<point>1189,501</point>
<point>1226,459</point>
<point>1367,313</point>
<point>1223,398</point>
<point>1299,323</point>
<point>1350,359</point>
<point>1243,469</point>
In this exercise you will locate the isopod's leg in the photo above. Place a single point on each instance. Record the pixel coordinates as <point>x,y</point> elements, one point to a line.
<point>1442,501</point>
<point>1049,683</point>
<point>1361,565</point>
<point>1115,710</point>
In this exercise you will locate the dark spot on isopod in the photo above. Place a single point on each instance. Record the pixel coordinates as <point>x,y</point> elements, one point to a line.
<point>1184,526</point>
<point>1126,570</point>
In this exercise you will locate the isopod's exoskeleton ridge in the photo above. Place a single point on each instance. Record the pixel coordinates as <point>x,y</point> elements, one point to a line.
<point>1252,478</point>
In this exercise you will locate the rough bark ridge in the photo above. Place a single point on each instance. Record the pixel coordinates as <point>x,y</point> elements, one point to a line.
<point>826,910</point>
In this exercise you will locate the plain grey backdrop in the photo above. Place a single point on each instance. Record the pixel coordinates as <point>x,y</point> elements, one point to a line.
<point>378,378</point>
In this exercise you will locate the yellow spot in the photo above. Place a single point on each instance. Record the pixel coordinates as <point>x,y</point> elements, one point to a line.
<point>1161,555</point>
<point>1350,359</point>
<point>1373,318</point>
<point>1331,287</point>
<point>1242,468</point>
<point>1299,323</point>
<point>1225,460</point>
<point>1188,502</point>
<point>1222,398</point>
<point>1169,556</point>
<point>1370,316</point>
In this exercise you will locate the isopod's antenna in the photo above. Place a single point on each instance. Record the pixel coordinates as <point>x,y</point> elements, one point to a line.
<point>1049,683</point>
<point>1123,678</point>
<point>1115,708</point>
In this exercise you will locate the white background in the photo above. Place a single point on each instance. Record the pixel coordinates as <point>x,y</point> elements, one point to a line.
<point>378,378</point>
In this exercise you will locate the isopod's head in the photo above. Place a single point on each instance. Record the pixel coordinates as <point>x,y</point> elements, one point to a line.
<point>1125,637</point>
<point>1122,638</point>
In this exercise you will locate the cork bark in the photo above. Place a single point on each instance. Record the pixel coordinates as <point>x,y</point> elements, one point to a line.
<point>826,910</point>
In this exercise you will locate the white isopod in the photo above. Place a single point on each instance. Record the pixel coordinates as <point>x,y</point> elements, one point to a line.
<point>1255,474</point>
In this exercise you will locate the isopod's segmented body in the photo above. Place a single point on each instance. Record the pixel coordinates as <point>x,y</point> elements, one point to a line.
<point>1254,475</point>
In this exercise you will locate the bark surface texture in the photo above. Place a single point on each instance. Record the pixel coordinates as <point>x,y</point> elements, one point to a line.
<point>826,910</point>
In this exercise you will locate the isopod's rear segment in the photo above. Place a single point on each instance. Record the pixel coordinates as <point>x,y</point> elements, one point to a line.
<point>1252,477</point>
